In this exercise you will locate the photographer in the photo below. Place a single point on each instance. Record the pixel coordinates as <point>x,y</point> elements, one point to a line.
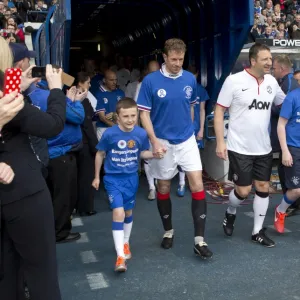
<point>28,235</point>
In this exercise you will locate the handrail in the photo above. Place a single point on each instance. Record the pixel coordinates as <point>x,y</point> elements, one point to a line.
<point>37,44</point>
<point>47,34</point>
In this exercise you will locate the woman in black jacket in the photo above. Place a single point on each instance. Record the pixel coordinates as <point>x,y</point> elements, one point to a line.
<point>28,235</point>
<point>86,156</point>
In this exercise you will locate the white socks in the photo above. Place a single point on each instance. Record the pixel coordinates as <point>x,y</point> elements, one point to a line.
<point>149,176</point>
<point>118,235</point>
<point>181,178</point>
<point>198,240</point>
<point>234,201</point>
<point>260,207</point>
<point>285,204</point>
<point>127,228</point>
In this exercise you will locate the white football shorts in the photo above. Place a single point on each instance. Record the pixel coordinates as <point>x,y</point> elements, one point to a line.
<point>186,155</point>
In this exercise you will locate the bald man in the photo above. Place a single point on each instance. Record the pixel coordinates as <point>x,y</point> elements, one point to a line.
<point>133,88</point>
<point>107,99</point>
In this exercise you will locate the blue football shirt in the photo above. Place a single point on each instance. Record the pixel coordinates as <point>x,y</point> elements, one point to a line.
<point>169,101</point>
<point>123,149</point>
<point>202,96</point>
<point>290,110</point>
<point>107,102</point>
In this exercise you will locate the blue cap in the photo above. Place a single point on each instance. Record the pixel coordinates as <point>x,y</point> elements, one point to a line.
<point>20,51</point>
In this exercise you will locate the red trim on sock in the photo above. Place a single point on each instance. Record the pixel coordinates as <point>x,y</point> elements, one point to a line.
<point>198,195</point>
<point>163,196</point>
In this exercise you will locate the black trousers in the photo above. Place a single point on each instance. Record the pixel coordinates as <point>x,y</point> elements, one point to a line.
<point>28,242</point>
<point>62,183</point>
<point>86,173</point>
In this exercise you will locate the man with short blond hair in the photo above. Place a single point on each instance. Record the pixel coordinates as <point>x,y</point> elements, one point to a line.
<point>165,101</point>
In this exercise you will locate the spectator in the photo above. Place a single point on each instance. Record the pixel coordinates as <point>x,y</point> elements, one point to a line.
<point>282,31</point>
<point>269,8</point>
<point>257,7</point>
<point>12,38</point>
<point>297,76</point>
<point>17,31</point>
<point>293,6</point>
<point>277,13</point>
<point>62,169</point>
<point>38,15</point>
<point>16,15</point>
<point>127,74</point>
<point>255,32</point>
<point>292,15</point>
<point>268,33</point>
<point>86,156</point>
<point>264,15</point>
<point>28,234</point>
<point>22,8</point>
<point>107,99</point>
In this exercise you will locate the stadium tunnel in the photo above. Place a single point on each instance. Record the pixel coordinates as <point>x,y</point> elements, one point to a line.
<point>214,31</point>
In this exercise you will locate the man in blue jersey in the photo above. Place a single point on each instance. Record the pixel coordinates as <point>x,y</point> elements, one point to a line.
<point>123,145</point>
<point>282,71</point>
<point>198,122</point>
<point>165,102</point>
<point>289,138</point>
<point>107,99</point>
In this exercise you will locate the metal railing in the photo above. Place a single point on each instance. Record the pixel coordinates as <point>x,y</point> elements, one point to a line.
<point>52,42</point>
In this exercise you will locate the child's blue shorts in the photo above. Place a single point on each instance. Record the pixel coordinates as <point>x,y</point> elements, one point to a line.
<point>121,190</point>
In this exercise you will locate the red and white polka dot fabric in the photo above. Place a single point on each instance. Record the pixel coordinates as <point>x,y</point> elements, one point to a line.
<point>12,80</point>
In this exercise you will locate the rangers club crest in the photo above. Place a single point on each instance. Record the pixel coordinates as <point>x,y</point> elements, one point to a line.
<point>122,144</point>
<point>295,180</point>
<point>161,93</point>
<point>188,92</point>
<point>269,89</point>
<point>105,100</point>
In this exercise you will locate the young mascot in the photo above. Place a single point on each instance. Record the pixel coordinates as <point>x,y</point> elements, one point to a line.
<point>122,145</point>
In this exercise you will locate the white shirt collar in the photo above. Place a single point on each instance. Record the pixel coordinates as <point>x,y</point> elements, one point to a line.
<point>164,71</point>
<point>102,88</point>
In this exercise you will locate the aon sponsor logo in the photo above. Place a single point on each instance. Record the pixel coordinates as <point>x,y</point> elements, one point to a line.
<point>259,105</point>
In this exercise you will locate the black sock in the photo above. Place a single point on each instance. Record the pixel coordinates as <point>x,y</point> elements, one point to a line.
<point>199,212</point>
<point>165,210</point>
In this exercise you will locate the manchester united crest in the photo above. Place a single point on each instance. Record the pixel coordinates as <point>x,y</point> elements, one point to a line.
<point>130,144</point>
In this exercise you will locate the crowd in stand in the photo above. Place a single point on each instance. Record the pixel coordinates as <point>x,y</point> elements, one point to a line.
<point>13,15</point>
<point>277,19</point>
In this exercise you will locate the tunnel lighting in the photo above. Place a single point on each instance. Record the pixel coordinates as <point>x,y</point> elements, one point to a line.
<point>99,47</point>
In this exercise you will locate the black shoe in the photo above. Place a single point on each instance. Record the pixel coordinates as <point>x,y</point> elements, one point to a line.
<point>202,250</point>
<point>70,238</point>
<point>87,213</point>
<point>291,211</point>
<point>228,223</point>
<point>262,239</point>
<point>167,241</point>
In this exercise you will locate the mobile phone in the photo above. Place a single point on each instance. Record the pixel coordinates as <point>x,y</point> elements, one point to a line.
<point>39,72</point>
<point>12,80</point>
